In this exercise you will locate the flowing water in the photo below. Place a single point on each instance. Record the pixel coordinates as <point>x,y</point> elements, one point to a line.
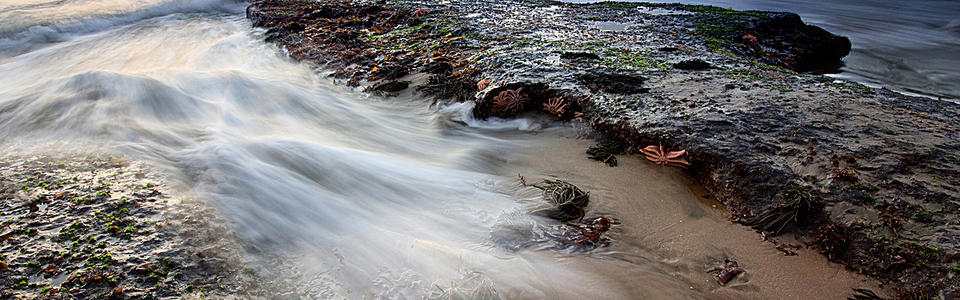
<point>908,46</point>
<point>367,197</point>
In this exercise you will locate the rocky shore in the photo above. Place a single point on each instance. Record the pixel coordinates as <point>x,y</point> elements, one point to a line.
<point>869,177</point>
<point>105,227</point>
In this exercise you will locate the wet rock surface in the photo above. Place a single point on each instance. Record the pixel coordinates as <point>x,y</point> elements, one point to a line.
<point>877,170</point>
<point>775,38</point>
<point>98,227</point>
<point>785,40</point>
<point>692,64</point>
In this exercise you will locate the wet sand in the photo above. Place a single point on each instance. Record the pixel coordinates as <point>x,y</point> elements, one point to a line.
<point>669,222</point>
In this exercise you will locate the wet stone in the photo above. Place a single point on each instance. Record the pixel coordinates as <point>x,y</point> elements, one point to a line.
<point>82,227</point>
<point>623,84</point>
<point>585,56</point>
<point>693,64</point>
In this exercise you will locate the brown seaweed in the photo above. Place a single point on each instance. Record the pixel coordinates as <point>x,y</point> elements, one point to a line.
<point>864,294</point>
<point>800,207</point>
<point>568,200</point>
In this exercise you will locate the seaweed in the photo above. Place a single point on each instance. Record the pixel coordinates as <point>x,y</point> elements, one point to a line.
<point>390,87</point>
<point>864,294</point>
<point>832,239</point>
<point>391,71</point>
<point>726,272</point>
<point>801,206</point>
<point>569,201</point>
<point>438,67</point>
<point>456,87</point>
<point>602,153</point>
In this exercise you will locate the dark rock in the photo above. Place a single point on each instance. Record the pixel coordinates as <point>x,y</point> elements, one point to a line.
<point>256,15</point>
<point>579,56</point>
<point>668,49</point>
<point>517,234</point>
<point>693,64</point>
<point>783,39</point>
<point>337,43</point>
<point>623,84</point>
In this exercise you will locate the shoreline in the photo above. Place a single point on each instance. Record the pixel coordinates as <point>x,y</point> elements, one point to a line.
<point>667,225</point>
<point>708,80</point>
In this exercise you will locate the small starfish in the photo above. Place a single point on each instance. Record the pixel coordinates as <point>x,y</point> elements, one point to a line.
<point>420,13</point>
<point>578,116</point>
<point>483,84</point>
<point>660,156</point>
<point>510,101</point>
<point>726,272</point>
<point>752,40</point>
<point>555,106</point>
<point>589,232</point>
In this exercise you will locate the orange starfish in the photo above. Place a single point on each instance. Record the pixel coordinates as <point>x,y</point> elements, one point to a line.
<point>660,156</point>
<point>510,101</point>
<point>555,106</point>
<point>483,84</point>
<point>420,13</point>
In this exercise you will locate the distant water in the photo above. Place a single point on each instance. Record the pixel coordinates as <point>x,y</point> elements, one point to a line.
<point>910,46</point>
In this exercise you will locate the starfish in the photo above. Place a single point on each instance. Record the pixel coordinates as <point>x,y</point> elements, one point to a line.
<point>726,272</point>
<point>510,101</point>
<point>483,84</point>
<point>660,156</point>
<point>555,106</point>
<point>749,38</point>
<point>420,13</point>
